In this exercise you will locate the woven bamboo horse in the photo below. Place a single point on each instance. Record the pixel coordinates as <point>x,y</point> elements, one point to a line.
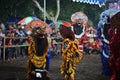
<point>37,52</point>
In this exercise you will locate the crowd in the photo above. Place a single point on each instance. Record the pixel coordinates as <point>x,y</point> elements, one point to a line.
<point>55,45</point>
<point>92,44</point>
<point>14,34</point>
<point>16,31</point>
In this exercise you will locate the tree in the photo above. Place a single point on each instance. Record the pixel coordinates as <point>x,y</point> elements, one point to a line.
<point>62,9</point>
<point>52,18</point>
<point>15,8</point>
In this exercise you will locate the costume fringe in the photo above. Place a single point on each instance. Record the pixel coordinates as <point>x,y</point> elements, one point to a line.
<point>37,61</point>
<point>70,56</point>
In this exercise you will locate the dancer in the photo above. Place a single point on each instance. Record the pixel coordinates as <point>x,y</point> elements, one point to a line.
<point>37,52</point>
<point>70,53</point>
<point>80,27</point>
<point>114,60</point>
<point>104,36</point>
<point>104,27</point>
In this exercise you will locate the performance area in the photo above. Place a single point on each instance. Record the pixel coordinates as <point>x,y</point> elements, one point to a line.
<point>88,68</point>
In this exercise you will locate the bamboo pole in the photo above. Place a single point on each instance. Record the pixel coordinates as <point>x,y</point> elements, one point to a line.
<point>5,46</point>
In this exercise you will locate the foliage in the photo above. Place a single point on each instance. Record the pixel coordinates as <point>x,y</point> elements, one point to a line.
<point>23,8</point>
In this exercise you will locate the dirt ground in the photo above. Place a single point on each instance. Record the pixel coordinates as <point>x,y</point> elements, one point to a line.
<point>89,68</point>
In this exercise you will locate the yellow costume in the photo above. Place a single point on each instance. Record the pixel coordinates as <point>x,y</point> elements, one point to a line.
<point>70,56</point>
<point>33,59</point>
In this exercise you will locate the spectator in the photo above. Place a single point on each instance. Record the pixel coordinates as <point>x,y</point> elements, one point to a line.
<point>2,26</point>
<point>58,45</point>
<point>21,33</point>
<point>53,48</point>
<point>10,50</point>
<point>1,41</point>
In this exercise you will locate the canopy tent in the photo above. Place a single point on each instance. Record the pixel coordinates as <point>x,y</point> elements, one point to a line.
<point>28,19</point>
<point>97,2</point>
<point>12,20</point>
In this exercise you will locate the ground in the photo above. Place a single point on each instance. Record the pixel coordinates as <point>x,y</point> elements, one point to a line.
<point>89,68</point>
